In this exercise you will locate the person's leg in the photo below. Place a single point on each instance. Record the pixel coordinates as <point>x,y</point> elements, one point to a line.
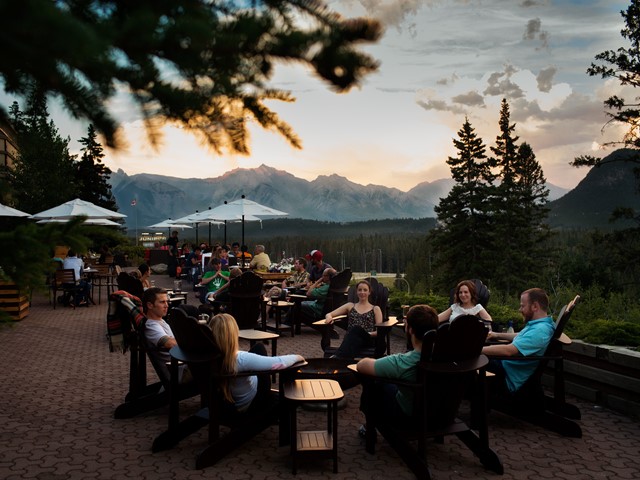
<point>355,339</point>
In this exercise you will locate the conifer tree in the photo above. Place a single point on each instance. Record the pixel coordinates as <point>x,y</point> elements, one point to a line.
<point>93,175</point>
<point>464,235</point>
<point>44,173</point>
<point>519,210</point>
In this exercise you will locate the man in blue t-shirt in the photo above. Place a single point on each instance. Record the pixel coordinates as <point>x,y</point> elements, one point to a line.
<point>533,339</point>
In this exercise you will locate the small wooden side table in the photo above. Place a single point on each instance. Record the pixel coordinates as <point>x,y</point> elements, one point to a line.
<point>317,442</point>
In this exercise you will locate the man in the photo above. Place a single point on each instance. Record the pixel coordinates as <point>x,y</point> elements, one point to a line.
<point>172,244</point>
<point>260,260</point>
<point>300,277</point>
<point>193,264</point>
<point>73,262</point>
<point>398,402</point>
<point>311,309</point>
<point>317,266</point>
<point>157,333</point>
<point>213,280</point>
<point>533,339</point>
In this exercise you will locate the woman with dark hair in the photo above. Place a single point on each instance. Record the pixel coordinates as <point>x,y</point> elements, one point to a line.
<point>465,303</point>
<point>362,319</point>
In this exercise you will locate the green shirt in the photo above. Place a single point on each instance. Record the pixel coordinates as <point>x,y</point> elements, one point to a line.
<point>216,283</point>
<point>403,367</point>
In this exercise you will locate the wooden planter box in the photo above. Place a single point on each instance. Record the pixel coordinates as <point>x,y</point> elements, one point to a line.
<point>13,301</point>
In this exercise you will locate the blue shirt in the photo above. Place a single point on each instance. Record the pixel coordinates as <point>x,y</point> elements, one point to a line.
<point>533,339</point>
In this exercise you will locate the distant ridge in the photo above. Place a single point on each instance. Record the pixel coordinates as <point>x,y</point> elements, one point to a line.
<point>327,198</point>
<point>604,189</point>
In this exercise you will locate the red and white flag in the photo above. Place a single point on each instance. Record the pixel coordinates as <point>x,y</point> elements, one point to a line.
<point>133,202</point>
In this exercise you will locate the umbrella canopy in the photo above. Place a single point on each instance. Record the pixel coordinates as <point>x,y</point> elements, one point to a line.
<point>75,208</point>
<point>243,210</point>
<point>6,211</point>
<point>168,223</point>
<point>89,221</point>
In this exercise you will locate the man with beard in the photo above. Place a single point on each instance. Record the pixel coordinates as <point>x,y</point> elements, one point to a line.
<point>533,339</point>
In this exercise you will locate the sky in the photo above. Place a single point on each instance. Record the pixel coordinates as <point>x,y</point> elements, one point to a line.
<point>439,62</point>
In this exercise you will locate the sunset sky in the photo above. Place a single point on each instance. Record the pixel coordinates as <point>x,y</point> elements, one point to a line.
<point>440,60</point>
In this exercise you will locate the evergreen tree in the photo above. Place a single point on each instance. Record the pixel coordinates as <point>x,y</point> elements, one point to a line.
<point>202,64</point>
<point>93,175</point>
<point>464,232</point>
<point>44,172</point>
<point>519,210</point>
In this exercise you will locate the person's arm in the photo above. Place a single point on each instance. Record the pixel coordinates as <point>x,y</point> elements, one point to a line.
<point>366,366</point>
<point>343,310</point>
<point>506,350</point>
<point>444,316</point>
<point>484,315</point>
<point>253,361</point>
<point>502,336</point>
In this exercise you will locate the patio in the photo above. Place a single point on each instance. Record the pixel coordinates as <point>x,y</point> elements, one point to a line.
<point>61,386</point>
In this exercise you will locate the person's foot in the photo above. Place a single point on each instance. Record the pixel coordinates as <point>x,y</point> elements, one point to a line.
<point>362,431</point>
<point>334,335</point>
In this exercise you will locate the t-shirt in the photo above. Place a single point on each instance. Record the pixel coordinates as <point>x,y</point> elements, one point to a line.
<point>401,366</point>
<point>216,283</point>
<point>533,339</point>
<point>74,263</point>
<point>260,262</point>
<point>154,332</point>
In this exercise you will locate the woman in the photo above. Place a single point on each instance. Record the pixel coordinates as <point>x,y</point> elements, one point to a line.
<point>465,303</point>
<point>245,392</point>
<point>362,320</point>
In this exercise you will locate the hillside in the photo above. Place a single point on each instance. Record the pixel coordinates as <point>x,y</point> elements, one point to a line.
<point>604,189</point>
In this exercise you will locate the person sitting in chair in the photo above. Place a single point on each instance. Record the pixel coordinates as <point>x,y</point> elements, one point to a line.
<point>395,401</point>
<point>213,279</point>
<point>158,335</point>
<point>533,339</point>
<point>465,303</point>
<point>362,320</point>
<point>311,310</point>
<point>260,261</point>
<point>245,392</point>
<point>299,278</point>
<point>72,261</point>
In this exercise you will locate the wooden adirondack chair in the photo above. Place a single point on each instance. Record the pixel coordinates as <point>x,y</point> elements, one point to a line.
<point>451,362</point>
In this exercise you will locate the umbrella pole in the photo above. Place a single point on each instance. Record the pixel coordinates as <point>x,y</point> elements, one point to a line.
<point>225,232</point>
<point>209,233</point>
<point>242,229</point>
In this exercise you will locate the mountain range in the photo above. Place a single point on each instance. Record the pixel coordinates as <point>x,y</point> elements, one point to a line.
<point>327,198</point>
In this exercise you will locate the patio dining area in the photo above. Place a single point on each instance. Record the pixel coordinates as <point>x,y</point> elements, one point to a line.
<point>61,386</point>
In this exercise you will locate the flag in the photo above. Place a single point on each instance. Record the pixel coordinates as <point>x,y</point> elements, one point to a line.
<point>133,202</point>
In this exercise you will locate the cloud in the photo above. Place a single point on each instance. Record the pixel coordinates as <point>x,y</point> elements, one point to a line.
<point>545,78</point>
<point>448,80</point>
<point>534,30</point>
<point>440,105</point>
<point>534,3</point>
<point>500,84</point>
<point>471,99</point>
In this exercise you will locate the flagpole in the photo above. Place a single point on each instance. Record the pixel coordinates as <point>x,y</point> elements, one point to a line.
<point>134,203</point>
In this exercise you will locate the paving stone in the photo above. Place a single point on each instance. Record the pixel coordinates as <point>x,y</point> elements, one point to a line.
<point>63,386</point>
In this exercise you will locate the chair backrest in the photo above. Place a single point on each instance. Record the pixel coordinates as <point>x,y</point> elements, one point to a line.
<point>337,295</point>
<point>379,296</point>
<point>65,275</point>
<point>191,336</point>
<point>455,349</point>
<point>482,291</point>
<point>130,284</point>
<point>245,292</point>
<point>103,269</point>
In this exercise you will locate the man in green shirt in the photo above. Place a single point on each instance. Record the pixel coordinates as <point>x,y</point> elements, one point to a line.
<point>214,278</point>
<point>393,400</point>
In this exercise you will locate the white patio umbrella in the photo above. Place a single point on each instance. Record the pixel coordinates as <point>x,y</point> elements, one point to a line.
<point>6,211</point>
<point>243,210</point>
<point>75,208</point>
<point>89,221</point>
<point>168,223</point>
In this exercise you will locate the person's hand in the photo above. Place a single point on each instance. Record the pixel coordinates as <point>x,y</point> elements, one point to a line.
<point>328,319</point>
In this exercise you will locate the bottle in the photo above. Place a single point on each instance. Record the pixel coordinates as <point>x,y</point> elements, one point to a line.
<point>510,327</point>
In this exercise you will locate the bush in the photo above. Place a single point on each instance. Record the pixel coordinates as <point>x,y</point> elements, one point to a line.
<point>609,332</point>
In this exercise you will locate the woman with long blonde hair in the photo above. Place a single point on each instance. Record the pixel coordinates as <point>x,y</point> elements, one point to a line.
<point>245,392</point>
